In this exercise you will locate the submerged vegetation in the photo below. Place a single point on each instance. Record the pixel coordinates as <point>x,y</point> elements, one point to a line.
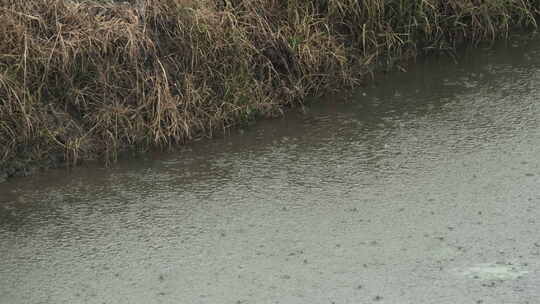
<point>83,80</point>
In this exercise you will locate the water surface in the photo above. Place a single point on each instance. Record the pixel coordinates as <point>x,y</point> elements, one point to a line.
<point>424,188</point>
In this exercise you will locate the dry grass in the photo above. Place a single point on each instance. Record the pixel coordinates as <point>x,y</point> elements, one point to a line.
<point>82,80</point>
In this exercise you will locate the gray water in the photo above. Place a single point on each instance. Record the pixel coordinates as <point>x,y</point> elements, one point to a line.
<point>423,188</point>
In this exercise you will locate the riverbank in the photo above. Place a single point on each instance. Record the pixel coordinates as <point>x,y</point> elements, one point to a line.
<point>86,80</point>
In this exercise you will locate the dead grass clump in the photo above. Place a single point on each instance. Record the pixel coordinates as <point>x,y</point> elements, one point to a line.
<point>83,80</point>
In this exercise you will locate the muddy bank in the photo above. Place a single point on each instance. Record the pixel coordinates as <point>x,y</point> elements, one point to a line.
<point>85,80</point>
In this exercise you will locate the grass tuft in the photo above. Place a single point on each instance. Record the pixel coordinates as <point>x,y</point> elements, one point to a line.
<point>82,80</point>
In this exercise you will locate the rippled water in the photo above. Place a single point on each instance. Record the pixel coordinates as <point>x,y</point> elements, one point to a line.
<point>424,188</point>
